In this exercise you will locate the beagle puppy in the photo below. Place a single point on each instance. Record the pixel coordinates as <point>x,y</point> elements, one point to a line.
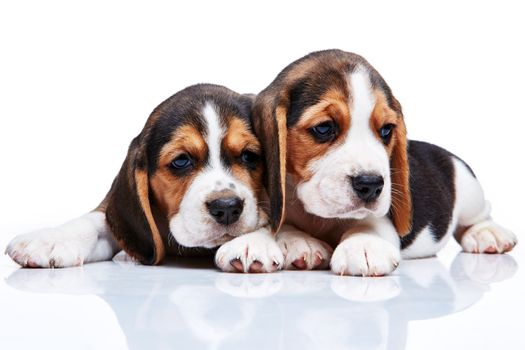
<point>191,179</point>
<point>342,172</point>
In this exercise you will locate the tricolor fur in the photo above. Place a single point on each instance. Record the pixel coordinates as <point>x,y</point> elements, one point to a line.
<point>344,172</point>
<point>191,179</point>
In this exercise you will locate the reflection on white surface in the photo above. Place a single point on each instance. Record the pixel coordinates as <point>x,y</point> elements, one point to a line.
<point>190,305</point>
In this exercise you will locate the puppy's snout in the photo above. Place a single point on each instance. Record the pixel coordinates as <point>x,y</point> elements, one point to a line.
<point>367,186</point>
<point>225,211</point>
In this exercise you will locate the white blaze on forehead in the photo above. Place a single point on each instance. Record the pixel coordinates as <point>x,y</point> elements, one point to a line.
<point>214,135</point>
<point>329,193</point>
<point>363,101</point>
<point>193,226</point>
<point>366,152</point>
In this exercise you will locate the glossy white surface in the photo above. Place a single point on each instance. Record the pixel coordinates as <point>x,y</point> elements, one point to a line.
<point>455,301</point>
<point>78,80</point>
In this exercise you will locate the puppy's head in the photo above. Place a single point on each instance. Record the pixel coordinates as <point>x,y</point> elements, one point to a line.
<point>193,172</point>
<point>342,139</point>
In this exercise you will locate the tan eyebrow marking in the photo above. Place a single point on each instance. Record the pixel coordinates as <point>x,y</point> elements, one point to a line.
<point>382,114</point>
<point>239,137</point>
<point>168,189</point>
<point>332,104</point>
<point>302,149</point>
<point>186,139</point>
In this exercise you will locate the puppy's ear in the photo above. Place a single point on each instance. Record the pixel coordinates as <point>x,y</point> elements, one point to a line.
<point>270,127</point>
<point>129,212</point>
<point>401,208</point>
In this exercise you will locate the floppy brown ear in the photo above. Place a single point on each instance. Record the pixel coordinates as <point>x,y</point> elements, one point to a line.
<point>401,207</point>
<point>270,127</point>
<point>129,212</point>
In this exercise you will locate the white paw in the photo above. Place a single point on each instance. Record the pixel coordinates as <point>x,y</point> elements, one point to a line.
<point>488,237</point>
<point>365,255</point>
<point>302,251</point>
<point>46,248</point>
<point>252,252</point>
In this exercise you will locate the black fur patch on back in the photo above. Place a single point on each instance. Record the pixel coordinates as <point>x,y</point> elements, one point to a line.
<point>432,188</point>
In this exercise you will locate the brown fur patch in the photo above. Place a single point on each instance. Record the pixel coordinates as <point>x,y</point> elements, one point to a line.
<point>382,115</point>
<point>401,207</point>
<point>186,139</point>
<point>300,70</point>
<point>168,189</point>
<point>252,179</point>
<point>400,174</point>
<point>237,139</point>
<point>283,139</point>
<point>309,65</point>
<point>302,148</point>
<point>141,179</point>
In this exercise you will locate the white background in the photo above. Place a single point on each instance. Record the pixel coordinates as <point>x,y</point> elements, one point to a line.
<point>78,80</point>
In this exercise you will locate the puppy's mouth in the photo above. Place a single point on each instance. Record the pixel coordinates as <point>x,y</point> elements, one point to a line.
<point>212,242</point>
<point>360,213</point>
<point>215,242</point>
<point>350,210</point>
<point>222,234</point>
<point>352,213</point>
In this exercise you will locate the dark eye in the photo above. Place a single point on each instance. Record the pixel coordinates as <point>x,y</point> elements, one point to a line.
<point>181,162</point>
<point>250,158</point>
<point>386,132</point>
<point>324,132</point>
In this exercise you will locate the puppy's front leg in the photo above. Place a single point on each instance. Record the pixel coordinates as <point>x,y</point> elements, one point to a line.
<point>253,252</point>
<point>82,240</point>
<point>369,249</point>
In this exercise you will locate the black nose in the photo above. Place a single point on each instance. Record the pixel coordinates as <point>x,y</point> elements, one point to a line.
<point>225,211</point>
<point>367,187</point>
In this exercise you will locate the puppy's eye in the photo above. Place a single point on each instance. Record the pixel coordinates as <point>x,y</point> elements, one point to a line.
<point>324,132</point>
<point>250,158</point>
<point>181,162</point>
<point>386,132</point>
